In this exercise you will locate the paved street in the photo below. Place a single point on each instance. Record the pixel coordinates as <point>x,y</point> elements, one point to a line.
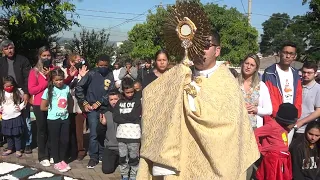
<point>79,168</point>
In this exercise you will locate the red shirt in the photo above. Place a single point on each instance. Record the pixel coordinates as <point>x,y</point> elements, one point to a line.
<point>272,137</point>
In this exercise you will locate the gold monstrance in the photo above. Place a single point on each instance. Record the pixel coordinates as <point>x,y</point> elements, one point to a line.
<point>186,26</point>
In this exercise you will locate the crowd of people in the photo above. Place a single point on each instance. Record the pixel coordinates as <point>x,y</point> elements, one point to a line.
<point>281,107</point>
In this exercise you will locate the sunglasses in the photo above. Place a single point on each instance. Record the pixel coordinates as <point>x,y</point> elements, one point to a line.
<point>208,44</point>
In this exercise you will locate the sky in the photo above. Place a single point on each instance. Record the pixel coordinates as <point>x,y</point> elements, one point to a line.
<point>117,14</point>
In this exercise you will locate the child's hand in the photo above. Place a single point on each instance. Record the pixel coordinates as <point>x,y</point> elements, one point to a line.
<point>18,108</point>
<point>83,71</point>
<point>1,109</point>
<point>103,119</point>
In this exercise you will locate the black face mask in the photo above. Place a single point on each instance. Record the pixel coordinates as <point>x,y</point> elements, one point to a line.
<point>79,65</point>
<point>46,63</point>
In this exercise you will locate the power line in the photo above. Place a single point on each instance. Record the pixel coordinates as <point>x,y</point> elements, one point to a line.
<point>125,22</point>
<point>99,28</point>
<point>106,17</point>
<point>108,12</point>
<point>110,33</point>
<point>244,9</point>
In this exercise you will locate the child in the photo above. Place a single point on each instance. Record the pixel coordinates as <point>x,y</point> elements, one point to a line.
<point>106,131</point>
<point>11,99</point>
<point>276,161</point>
<point>305,153</point>
<point>127,113</point>
<point>56,99</point>
<point>91,92</point>
<point>137,86</point>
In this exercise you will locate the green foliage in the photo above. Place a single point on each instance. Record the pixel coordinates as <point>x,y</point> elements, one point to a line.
<point>275,25</point>
<point>314,14</point>
<point>237,37</point>
<point>123,52</point>
<point>313,17</point>
<point>32,25</point>
<point>92,44</point>
<point>146,37</point>
<point>280,28</point>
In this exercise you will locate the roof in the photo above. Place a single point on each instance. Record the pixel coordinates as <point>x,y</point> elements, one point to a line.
<point>268,61</point>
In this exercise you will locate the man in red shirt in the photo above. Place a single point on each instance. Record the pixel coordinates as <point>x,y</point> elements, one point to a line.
<point>272,139</point>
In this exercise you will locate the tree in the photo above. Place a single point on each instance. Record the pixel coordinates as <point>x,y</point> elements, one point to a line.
<point>123,52</point>
<point>275,25</point>
<point>146,37</point>
<point>314,14</point>
<point>313,17</point>
<point>92,44</point>
<point>32,25</point>
<point>280,28</point>
<point>238,38</point>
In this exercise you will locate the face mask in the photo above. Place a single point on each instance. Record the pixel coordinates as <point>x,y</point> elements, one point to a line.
<point>103,70</point>
<point>46,63</point>
<point>8,89</point>
<point>79,65</point>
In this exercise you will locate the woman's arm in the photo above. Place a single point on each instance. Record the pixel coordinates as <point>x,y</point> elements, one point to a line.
<point>44,103</point>
<point>34,86</point>
<point>265,105</point>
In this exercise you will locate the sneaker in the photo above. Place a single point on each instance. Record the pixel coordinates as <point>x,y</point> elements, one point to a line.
<point>65,164</point>
<point>45,163</point>
<point>92,163</point>
<point>28,150</point>
<point>60,167</point>
<point>125,178</point>
<point>51,161</point>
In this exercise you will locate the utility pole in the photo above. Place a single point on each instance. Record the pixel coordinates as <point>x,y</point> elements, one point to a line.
<point>249,11</point>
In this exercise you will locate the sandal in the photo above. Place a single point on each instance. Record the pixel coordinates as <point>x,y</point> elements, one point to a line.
<point>6,153</point>
<point>18,154</point>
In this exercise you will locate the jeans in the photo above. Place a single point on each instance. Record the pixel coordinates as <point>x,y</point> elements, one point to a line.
<point>95,149</point>
<point>59,134</point>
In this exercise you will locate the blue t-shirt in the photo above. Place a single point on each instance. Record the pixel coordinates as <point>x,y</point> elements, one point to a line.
<point>59,105</point>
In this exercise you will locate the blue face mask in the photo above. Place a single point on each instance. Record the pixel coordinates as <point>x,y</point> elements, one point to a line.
<point>103,70</point>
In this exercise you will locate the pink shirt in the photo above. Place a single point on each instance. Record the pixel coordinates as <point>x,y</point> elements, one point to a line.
<point>37,83</point>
